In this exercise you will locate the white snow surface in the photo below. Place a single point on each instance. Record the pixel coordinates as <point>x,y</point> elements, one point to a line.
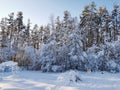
<point>36,80</point>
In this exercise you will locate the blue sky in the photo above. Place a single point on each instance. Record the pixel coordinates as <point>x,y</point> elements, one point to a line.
<point>39,11</point>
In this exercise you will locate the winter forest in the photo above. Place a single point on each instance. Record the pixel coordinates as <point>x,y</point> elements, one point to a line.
<point>88,43</point>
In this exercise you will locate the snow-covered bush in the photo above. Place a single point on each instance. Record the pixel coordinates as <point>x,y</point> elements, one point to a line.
<point>69,77</point>
<point>9,66</point>
<point>56,68</point>
<point>27,57</point>
<point>47,57</point>
<point>112,66</point>
<point>92,59</point>
<point>91,63</point>
<point>6,53</point>
<point>112,56</point>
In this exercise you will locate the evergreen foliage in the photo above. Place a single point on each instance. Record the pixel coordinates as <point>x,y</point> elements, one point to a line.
<point>88,44</point>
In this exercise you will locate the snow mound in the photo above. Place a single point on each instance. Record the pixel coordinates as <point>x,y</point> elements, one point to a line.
<point>8,66</point>
<point>69,77</point>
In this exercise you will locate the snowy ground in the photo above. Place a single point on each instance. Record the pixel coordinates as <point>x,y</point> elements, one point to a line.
<point>35,80</point>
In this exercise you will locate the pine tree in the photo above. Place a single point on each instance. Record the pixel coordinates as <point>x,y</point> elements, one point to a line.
<point>27,32</point>
<point>88,25</point>
<point>34,36</point>
<point>115,24</point>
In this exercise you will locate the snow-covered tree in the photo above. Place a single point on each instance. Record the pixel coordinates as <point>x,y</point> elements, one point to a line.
<point>89,26</point>
<point>115,21</point>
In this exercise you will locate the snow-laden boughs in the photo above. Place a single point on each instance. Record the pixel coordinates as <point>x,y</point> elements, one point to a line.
<point>89,44</point>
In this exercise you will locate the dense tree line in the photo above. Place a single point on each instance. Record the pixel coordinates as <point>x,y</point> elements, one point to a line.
<point>90,43</point>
